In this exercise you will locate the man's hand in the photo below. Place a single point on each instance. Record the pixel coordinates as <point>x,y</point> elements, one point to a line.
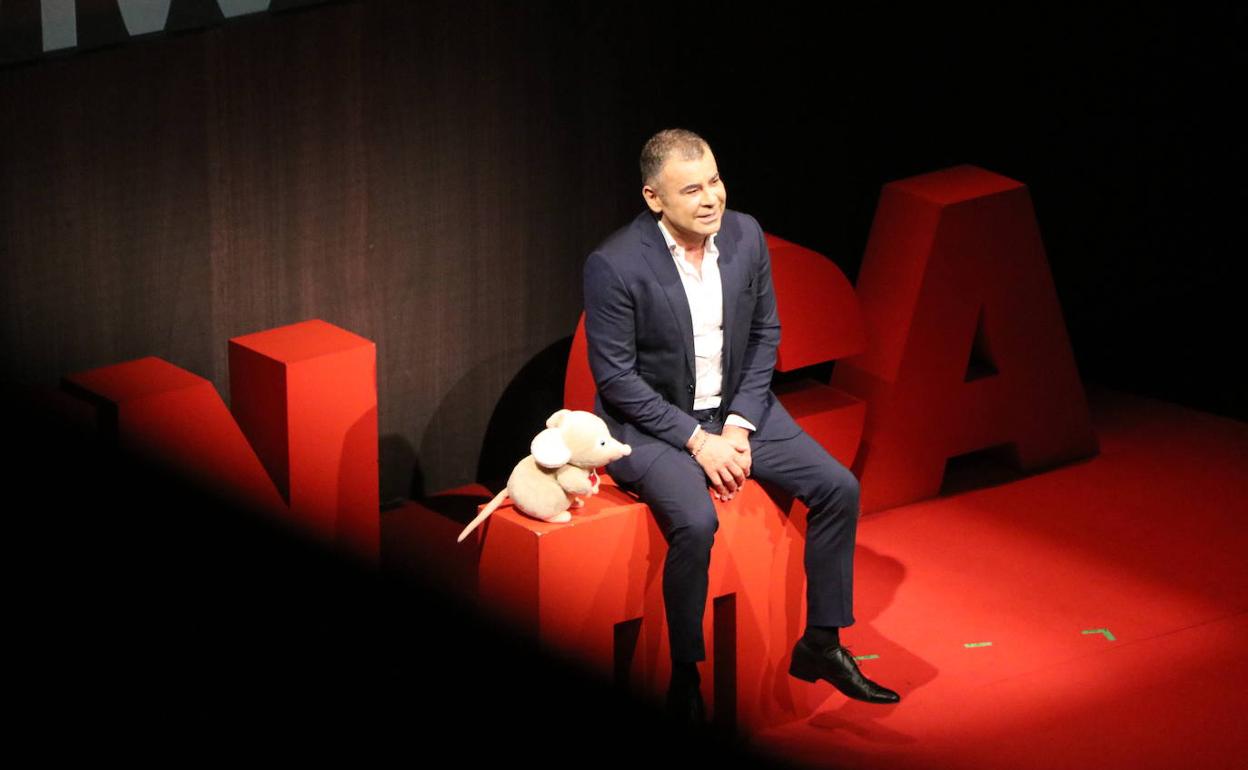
<point>721,460</point>
<point>739,437</point>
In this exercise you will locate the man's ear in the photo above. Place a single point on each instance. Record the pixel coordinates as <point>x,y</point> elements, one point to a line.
<point>549,450</point>
<point>651,197</point>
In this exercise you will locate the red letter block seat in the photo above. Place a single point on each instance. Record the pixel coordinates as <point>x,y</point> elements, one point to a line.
<point>591,591</point>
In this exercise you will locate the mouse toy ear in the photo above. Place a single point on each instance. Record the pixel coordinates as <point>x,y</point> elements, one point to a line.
<point>549,450</point>
<point>555,419</point>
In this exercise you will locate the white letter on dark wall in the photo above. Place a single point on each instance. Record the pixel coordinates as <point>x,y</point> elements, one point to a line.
<point>231,8</point>
<point>144,16</point>
<point>60,24</point>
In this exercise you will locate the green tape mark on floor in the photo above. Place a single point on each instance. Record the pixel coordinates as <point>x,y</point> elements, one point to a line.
<point>1105,631</point>
<point>865,657</point>
<point>978,644</point>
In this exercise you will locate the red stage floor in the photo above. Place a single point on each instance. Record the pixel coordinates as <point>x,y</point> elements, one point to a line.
<point>1146,541</point>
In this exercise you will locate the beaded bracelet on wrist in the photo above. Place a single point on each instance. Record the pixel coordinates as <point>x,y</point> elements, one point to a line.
<point>702,443</point>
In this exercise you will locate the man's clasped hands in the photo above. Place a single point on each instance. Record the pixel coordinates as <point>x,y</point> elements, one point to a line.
<point>724,456</point>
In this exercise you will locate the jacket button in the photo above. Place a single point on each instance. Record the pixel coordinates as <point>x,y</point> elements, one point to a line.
<point>690,388</point>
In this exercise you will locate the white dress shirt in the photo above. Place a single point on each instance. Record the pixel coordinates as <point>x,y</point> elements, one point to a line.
<point>706,306</point>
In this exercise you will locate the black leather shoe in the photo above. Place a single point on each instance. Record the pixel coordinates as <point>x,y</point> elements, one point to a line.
<point>836,665</point>
<point>684,703</point>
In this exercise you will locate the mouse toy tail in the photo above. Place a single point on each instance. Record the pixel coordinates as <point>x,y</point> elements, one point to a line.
<point>483,515</point>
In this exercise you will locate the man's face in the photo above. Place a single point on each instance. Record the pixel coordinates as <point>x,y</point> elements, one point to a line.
<point>689,195</point>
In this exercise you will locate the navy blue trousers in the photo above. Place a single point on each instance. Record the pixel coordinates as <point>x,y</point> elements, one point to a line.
<point>677,491</point>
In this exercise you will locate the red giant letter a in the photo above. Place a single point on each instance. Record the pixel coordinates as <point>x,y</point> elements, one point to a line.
<point>966,345</point>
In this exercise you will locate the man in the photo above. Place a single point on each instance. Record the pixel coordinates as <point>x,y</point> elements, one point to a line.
<point>681,321</point>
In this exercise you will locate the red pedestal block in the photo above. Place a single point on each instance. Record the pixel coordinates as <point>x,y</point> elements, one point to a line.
<point>303,448</point>
<point>306,397</point>
<point>418,541</point>
<point>967,349</point>
<point>591,591</point>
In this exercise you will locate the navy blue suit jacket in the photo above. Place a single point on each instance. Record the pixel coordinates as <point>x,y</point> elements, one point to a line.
<point>640,334</point>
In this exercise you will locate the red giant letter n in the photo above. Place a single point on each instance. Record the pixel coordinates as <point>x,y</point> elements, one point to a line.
<point>301,443</point>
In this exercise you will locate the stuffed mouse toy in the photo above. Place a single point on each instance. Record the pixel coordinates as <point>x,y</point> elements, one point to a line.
<point>563,466</point>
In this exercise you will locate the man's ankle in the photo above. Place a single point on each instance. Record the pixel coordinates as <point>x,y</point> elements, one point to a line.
<point>822,636</point>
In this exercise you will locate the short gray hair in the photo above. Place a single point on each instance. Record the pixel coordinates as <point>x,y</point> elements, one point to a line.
<point>658,148</point>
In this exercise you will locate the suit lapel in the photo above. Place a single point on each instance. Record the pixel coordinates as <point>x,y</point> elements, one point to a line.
<point>730,281</point>
<point>659,257</point>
